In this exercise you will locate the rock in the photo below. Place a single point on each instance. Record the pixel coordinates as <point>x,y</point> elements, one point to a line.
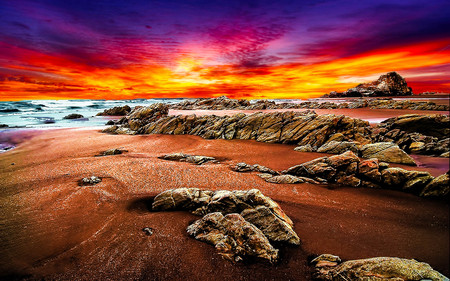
<point>438,187</point>
<point>73,116</point>
<point>202,202</point>
<point>284,179</point>
<point>304,148</point>
<point>445,154</point>
<point>274,228</point>
<point>243,168</point>
<point>376,269</point>
<point>234,238</point>
<point>112,151</point>
<point>390,84</point>
<point>116,111</point>
<point>195,159</point>
<point>435,125</point>
<point>338,147</point>
<point>326,260</point>
<point>387,152</point>
<point>90,181</point>
<point>4,126</point>
<point>148,231</point>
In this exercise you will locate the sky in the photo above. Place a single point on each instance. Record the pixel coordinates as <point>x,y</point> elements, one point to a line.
<point>117,49</point>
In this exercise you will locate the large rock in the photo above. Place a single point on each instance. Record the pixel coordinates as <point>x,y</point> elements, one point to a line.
<point>250,202</point>
<point>375,269</point>
<point>390,84</point>
<point>233,236</point>
<point>387,152</point>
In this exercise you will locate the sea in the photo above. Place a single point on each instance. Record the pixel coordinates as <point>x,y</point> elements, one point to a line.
<point>21,117</point>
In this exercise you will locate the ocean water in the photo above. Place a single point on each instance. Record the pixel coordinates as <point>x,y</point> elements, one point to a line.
<point>42,114</point>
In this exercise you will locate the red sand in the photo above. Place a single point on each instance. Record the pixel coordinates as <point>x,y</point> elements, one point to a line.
<point>55,229</point>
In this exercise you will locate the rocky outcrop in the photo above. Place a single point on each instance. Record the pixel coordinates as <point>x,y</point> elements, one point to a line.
<point>434,125</point>
<point>250,206</point>
<point>73,116</point>
<point>347,169</point>
<point>195,159</point>
<point>233,237</point>
<point>390,84</point>
<point>306,129</point>
<point>116,111</point>
<point>329,267</point>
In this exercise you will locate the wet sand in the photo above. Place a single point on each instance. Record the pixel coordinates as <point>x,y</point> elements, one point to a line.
<point>54,229</point>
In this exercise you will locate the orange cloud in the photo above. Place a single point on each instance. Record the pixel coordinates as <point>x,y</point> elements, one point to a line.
<point>26,74</point>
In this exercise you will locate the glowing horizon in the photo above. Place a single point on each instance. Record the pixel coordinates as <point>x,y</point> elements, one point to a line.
<point>257,49</point>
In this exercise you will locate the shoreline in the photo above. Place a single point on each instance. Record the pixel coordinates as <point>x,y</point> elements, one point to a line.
<point>42,197</point>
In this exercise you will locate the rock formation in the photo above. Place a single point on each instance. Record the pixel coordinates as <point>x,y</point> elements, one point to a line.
<point>329,267</point>
<point>390,84</point>
<point>224,211</point>
<point>112,151</point>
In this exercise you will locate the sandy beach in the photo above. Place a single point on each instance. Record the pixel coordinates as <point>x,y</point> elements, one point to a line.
<point>52,228</point>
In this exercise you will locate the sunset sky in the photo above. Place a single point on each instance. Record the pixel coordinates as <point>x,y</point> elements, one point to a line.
<point>75,49</point>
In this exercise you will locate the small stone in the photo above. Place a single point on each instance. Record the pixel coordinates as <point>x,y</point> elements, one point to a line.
<point>90,181</point>
<point>148,231</point>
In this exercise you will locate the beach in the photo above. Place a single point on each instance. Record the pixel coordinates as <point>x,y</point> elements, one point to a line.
<point>52,228</point>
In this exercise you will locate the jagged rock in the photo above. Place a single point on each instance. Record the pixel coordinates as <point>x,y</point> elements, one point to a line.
<point>304,148</point>
<point>73,116</point>
<point>445,154</point>
<point>438,187</point>
<point>387,152</point>
<point>116,111</point>
<point>338,147</point>
<point>195,159</point>
<point>377,269</point>
<point>234,237</point>
<point>90,181</point>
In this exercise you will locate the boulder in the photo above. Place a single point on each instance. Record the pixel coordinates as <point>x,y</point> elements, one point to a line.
<point>376,269</point>
<point>233,237</point>
<point>387,152</point>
